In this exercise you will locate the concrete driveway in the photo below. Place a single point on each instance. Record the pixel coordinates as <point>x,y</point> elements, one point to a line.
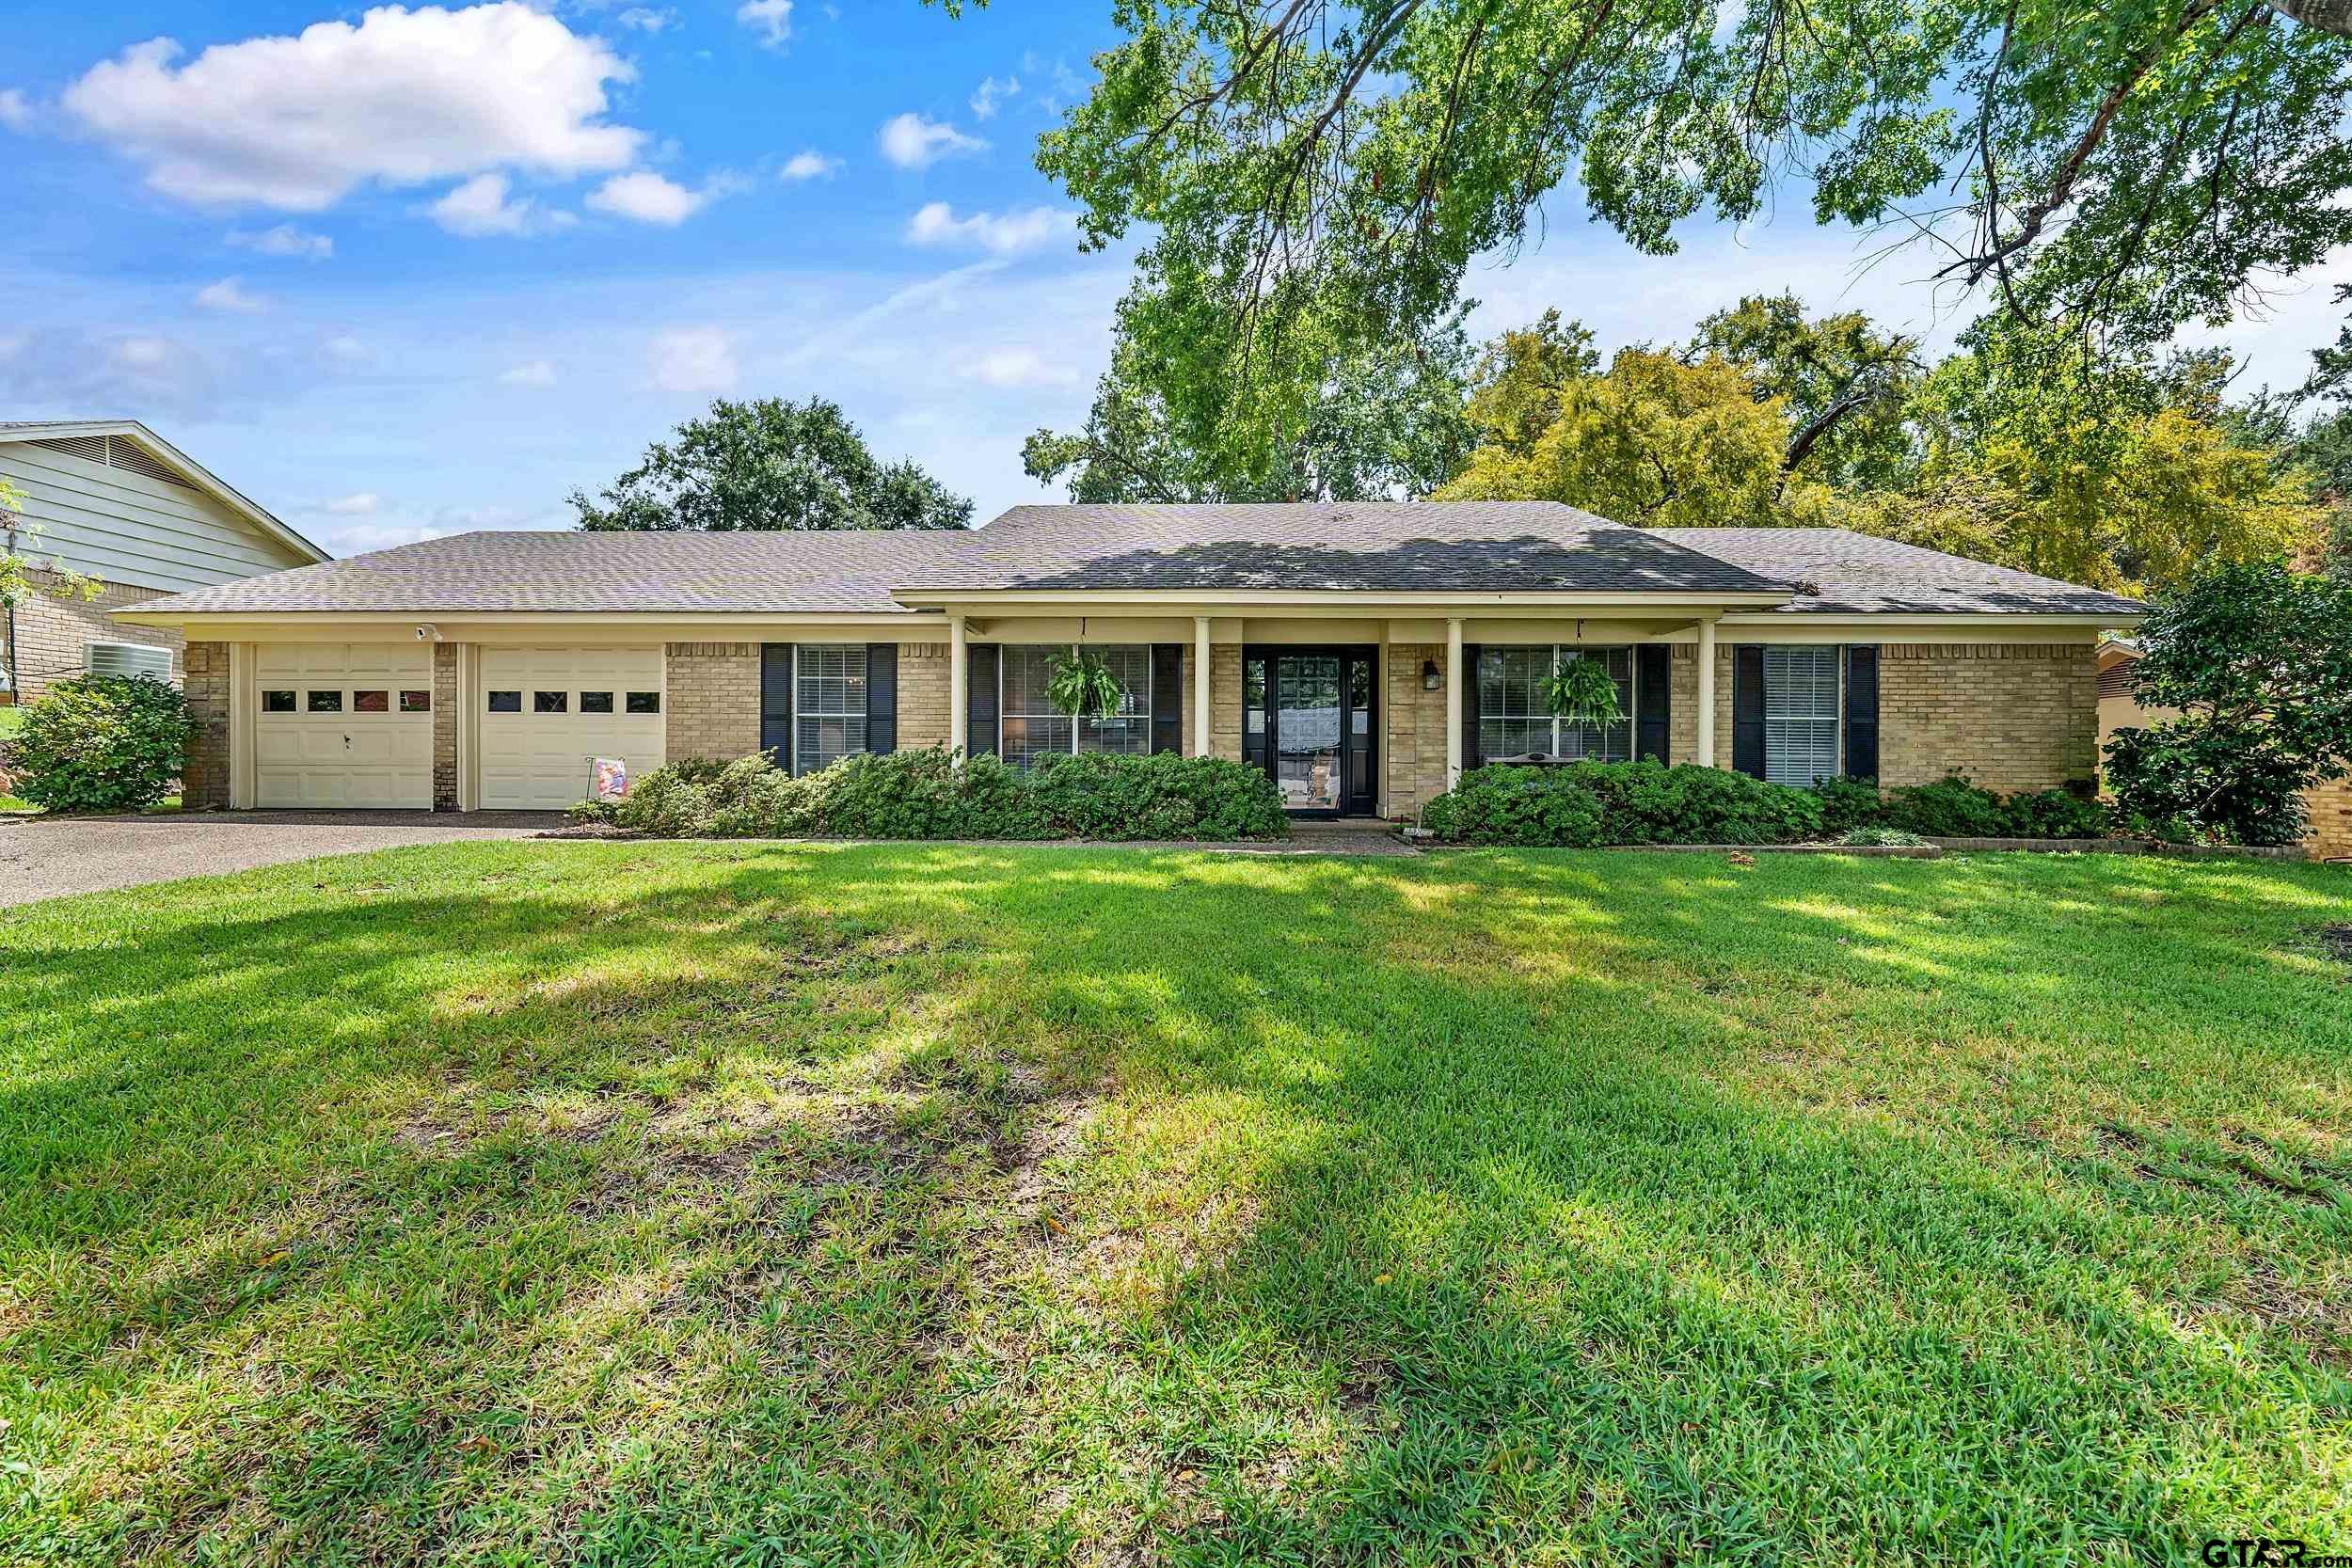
<point>49,857</point>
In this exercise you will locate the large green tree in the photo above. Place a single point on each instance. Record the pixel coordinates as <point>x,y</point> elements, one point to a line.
<point>1843,382</point>
<point>1301,420</point>
<point>770,464</point>
<point>2136,164</point>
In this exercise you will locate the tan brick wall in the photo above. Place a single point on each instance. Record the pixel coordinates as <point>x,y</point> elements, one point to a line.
<point>54,631</point>
<point>924,673</point>
<point>204,783</point>
<point>713,702</point>
<point>1415,723</point>
<point>2331,820</point>
<point>1225,700</point>
<point>445,716</point>
<point>2010,716</point>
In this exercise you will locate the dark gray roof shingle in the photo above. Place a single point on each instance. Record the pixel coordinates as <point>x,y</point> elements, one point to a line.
<point>688,573</point>
<point>1482,548</point>
<point>1369,547</point>
<point>1858,574</point>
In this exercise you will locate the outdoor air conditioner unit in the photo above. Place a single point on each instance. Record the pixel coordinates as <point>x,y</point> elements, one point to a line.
<point>126,658</point>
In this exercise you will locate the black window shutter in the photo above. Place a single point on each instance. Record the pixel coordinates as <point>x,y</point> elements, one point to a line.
<point>775,702</point>
<point>979,711</point>
<point>882,697</point>
<point>1653,698</point>
<point>1862,711</point>
<point>1168,697</point>
<point>1747,709</point>
<point>1469,706</point>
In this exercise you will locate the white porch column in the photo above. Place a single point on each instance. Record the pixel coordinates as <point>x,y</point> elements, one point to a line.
<point>1201,741</point>
<point>1452,701</point>
<point>959,689</point>
<point>1706,694</point>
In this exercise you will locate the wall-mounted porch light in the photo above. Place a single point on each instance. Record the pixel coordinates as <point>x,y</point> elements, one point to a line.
<point>1430,679</point>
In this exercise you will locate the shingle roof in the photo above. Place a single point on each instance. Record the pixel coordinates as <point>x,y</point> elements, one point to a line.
<point>1858,574</point>
<point>1374,546</point>
<point>1487,546</point>
<point>688,573</point>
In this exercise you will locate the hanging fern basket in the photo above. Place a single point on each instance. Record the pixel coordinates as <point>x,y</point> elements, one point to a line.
<point>1580,689</point>
<point>1081,686</point>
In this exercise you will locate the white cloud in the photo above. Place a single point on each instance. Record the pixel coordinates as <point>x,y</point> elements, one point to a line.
<point>1018,367</point>
<point>480,207</point>
<point>284,240</point>
<point>911,141</point>
<point>691,360</point>
<point>404,97</point>
<point>648,197</point>
<point>345,350</point>
<point>15,112</point>
<point>229,294</point>
<point>356,505</point>
<point>809,165</point>
<point>645,19</point>
<point>1007,234</point>
<point>771,19</point>
<point>534,373</point>
<point>991,93</point>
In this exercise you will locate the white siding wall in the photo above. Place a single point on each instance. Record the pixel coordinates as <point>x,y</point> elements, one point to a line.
<point>125,528</point>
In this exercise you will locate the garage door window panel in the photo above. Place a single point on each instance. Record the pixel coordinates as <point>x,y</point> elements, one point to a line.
<point>371,702</point>
<point>327,701</point>
<point>506,702</point>
<point>645,701</point>
<point>596,701</point>
<point>416,702</point>
<point>277,701</point>
<point>550,702</point>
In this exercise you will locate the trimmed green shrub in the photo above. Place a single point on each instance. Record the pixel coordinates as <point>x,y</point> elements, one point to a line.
<point>1848,803</point>
<point>1953,808</point>
<point>924,794</point>
<point>101,743</point>
<point>1587,804</point>
<point>2054,814</point>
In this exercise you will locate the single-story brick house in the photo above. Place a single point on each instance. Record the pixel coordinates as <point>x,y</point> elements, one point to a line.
<point>1364,655</point>
<point>112,501</point>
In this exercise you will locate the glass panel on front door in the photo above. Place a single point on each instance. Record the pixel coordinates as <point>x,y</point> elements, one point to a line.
<point>1307,719</point>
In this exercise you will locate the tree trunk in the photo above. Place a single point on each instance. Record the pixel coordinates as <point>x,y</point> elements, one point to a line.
<point>2329,16</point>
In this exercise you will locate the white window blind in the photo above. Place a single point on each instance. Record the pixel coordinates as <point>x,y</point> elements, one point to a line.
<point>828,705</point>
<point>1514,719</point>
<point>1029,726</point>
<point>1801,697</point>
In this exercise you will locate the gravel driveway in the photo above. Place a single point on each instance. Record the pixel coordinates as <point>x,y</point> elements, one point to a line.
<point>47,858</point>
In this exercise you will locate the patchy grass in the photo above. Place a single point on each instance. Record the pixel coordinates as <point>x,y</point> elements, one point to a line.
<point>685,1203</point>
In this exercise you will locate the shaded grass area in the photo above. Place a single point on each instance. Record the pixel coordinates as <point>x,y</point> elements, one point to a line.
<point>688,1203</point>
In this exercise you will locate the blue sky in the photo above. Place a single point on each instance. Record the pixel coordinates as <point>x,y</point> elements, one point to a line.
<point>400,272</point>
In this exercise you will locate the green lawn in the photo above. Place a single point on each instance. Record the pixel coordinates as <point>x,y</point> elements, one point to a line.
<point>621,1202</point>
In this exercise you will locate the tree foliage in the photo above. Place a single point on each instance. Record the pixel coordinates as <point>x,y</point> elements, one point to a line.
<point>2133,166</point>
<point>770,464</point>
<point>1843,384</point>
<point>1655,440</point>
<point>2258,659</point>
<point>1303,421</point>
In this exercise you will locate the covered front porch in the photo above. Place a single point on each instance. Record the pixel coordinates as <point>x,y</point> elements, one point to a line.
<point>1350,714</point>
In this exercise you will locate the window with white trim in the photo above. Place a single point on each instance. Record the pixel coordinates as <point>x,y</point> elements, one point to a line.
<point>828,704</point>
<point>1801,701</point>
<point>1030,728</point>
<point>1514,719</point>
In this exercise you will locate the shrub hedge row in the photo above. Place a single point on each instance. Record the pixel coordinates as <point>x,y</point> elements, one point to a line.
<point>922,793</point>
<point>1587,804</point>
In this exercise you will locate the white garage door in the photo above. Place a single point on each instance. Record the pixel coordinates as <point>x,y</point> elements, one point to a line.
<point>343,724</point>
<point>547,712</point>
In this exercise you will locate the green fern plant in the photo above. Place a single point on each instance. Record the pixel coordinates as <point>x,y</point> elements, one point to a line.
<point>1580,689</point>
<point>1081,686</point>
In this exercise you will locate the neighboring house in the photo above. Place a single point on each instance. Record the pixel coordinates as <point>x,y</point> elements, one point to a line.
<point>1362,654</point>
<point>111,499</point>
<point>2330,804</point>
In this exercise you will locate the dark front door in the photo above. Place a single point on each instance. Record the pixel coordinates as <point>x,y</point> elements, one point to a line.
<point>1308,719</point>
